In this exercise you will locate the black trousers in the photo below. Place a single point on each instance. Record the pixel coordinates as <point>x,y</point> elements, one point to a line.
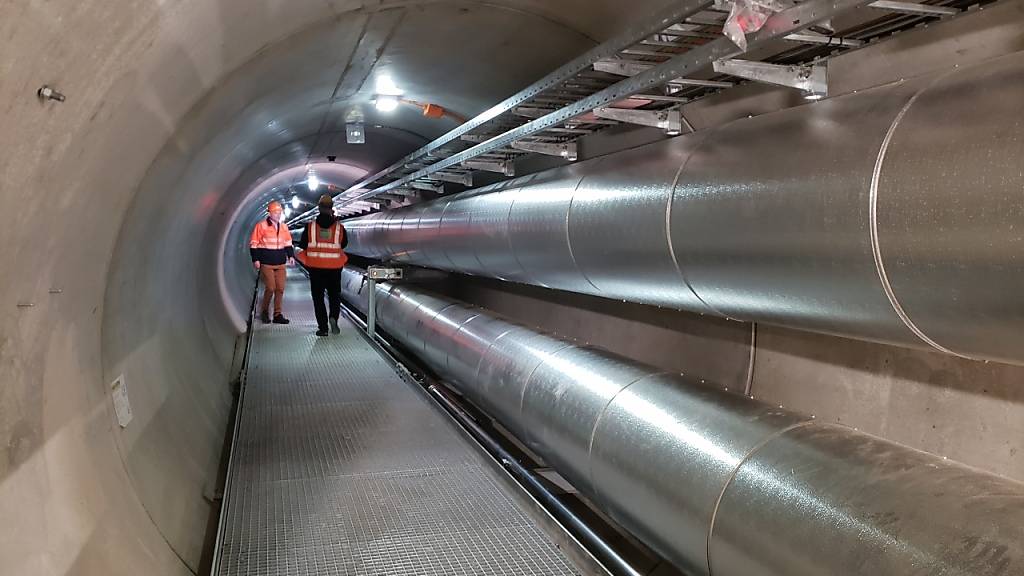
<point>321,280</point>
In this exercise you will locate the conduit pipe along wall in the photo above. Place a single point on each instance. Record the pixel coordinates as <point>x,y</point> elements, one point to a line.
<point>892,215</point>
<point>717,483</point>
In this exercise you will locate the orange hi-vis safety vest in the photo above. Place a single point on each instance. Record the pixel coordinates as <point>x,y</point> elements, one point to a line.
<point>270,236</point>
<point>324,248</point>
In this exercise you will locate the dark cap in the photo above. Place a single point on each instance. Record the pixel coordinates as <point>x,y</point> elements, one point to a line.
<point>326,201</point>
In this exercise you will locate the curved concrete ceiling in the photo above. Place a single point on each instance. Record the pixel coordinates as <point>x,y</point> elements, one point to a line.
<point>129,204</point>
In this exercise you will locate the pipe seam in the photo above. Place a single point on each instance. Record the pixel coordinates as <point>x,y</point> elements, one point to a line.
<point>448,357</point>
<point>736,470</point>
<point>543,359</point>
<point>432,320</point>
<point>876,249</point>
<point>668,236</point>
<point>469,226</point>
<point>440,226</point>
<point>511,246</point>
<point>490,346</point>
<point>568,236</point>
<point>597,424</point>
<point>749,384</point>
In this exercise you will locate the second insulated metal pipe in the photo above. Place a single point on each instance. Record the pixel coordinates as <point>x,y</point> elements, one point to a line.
<point>716,483</point>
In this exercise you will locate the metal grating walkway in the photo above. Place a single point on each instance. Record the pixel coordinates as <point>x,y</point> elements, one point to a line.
<point>341,467</point>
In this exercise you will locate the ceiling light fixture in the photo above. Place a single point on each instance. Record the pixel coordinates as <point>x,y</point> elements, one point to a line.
<point>313,182</point>
<point>296,201</point>
<point>386,102</point>
<point>386,85</point>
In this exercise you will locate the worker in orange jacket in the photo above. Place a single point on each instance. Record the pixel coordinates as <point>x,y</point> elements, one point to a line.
<point>321,243</point>
<point>271,249</point>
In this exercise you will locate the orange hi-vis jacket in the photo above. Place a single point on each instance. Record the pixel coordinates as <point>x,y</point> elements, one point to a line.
<point>270,236</point>
<point>271,242</point>
<point>324,248</point>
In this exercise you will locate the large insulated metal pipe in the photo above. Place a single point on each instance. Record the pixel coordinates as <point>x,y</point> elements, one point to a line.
<point>718,484</point>
<point>894,215</point>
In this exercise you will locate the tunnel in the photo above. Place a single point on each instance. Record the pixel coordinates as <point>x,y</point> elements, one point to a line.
<point>652,287</point>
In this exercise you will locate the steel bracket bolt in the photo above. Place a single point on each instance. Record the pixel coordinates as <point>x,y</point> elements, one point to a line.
<point>47,93</point>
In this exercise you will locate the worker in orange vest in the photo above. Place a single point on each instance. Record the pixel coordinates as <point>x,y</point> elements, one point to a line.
<point>271,249</point>
<point>322,242</point>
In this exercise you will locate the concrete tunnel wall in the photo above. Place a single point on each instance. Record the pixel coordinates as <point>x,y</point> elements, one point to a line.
<point>177,116</point>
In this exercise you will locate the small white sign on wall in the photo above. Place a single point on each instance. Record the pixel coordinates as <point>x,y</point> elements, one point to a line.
<point>119,391</point>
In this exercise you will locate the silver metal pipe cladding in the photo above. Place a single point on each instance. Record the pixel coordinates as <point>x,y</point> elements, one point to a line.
<point>895,215</point>
<point>718,484</point>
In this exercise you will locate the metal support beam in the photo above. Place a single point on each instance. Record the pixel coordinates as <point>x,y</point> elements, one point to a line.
<point>567,150</point>
<point>569,131</point>
<point>708,19</point>
<point>391,197</point>
<point>429,187</point>
<point>464,178</point>
<point>913,8</point>
<point>632,68</point>
<point>407,192</point>
<point>531,111</point>
<point>688,31</point>
<point>778,26</point>
<point>811,38</point>
<point>671,121</point>
<point>364,205</point>
<point>813,80</point>
<point>371,310</point>
<point>503,167</point>
<point>678,82</point>
<point>663,98</point>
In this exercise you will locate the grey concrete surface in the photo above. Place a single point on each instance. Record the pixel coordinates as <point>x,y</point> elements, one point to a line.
<point>968,411</point>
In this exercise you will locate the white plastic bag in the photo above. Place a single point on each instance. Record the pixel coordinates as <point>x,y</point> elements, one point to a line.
<point>747,16</point>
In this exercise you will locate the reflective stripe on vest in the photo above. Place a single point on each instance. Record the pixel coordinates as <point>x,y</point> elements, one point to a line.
<point>270,236</point>
<point>324,253</point>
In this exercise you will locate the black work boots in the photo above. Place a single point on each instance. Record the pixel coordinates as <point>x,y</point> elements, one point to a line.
<point>334,328</point>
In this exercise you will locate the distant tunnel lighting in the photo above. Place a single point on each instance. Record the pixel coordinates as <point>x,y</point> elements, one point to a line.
<point>386,102</point>
<point>386,85</point>
<point>354,133</point>
<point>287,212</point>
<point>296,201</point>
<point>313,182</point>
<point>813,96</point>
